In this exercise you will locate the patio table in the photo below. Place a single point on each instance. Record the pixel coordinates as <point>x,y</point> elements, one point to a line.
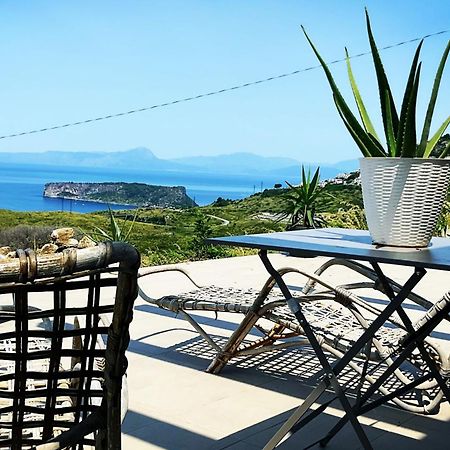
<point>351,245</point>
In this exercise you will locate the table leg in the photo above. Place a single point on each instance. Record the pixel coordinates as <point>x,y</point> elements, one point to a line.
<point>415,342</point>
<point>381,319</point>
<point>330,374</point>
<point>410,328</point>
<point>297,415</point>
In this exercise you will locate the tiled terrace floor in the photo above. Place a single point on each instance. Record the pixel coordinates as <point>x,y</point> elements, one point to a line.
<point>175,405</point>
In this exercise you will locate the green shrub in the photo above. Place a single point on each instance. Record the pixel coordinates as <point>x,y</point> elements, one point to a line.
<point>222,202</point>
<point>25,236</point>
<point>198,246</point>
<point>442,226</point>
<point>351,217</point>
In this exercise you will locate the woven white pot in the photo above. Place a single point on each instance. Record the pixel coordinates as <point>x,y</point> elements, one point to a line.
<point>403,198</point>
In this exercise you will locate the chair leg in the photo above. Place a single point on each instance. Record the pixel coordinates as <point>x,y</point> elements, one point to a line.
<point>200,330</point>
<point>267,342</point>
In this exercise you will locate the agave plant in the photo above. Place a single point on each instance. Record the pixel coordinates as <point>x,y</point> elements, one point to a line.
<point>301,202</point>
<point>400,130</point>
<point>115,231</point>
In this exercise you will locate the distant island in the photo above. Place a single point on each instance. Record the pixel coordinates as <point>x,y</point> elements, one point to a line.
<point>133,194</point>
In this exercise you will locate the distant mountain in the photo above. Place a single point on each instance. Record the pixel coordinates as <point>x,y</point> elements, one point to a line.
<point>294,172</point>
<point>143,159</point>
<point>349,165</point>
<point>248,163</point>
<point>138,158</point>
<point>237,163</point>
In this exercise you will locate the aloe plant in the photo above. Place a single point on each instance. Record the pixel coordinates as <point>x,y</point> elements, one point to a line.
<point>400,130</point>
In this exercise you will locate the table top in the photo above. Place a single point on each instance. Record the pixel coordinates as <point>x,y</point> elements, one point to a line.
<point>343,243</point>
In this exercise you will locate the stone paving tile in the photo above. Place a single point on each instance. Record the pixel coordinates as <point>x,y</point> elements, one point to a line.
<point>175,405</point>
<point>159,434</point>
<point>436,441</point>
<point>242,445</point>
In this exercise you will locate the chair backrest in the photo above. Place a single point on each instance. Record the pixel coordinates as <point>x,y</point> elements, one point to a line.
<point>58,383</point>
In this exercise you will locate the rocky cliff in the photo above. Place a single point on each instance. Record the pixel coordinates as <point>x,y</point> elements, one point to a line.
<point>133,194</point>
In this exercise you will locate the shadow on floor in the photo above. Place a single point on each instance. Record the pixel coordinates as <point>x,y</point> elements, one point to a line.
<point>299,365</point>
<point>170,436</point>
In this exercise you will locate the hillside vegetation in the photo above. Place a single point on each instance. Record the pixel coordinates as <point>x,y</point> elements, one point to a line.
<point>168,235</point>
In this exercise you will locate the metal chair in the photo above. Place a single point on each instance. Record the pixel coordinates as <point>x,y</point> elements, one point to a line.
<point>60,385</point>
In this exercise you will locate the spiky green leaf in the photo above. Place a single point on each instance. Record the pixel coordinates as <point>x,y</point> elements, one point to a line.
<point>445,151</point>
<point>432,103</point>
<point>390,136</point>
<point>359,101</point>
<point>130,229</point>
<point>383,84</point>
<point>290,185</point>
<point>315,181</point>
<point>304,180</point>
<point>435,138</point>
<point>377,144</point>
<point>406,98</point>
<point>409,147</point>
<point>310,221</point>
<point>364,150</point>
<point>313,185</point>
<point>114,226</point>
<point>103,233</point>
<point>367,148</point>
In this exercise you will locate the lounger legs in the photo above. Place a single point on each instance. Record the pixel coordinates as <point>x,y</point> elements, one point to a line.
<point>233,343</point>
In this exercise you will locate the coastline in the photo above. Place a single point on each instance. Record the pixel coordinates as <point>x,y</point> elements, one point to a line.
<point>63,197</point>
<point>126,194</point>
<point>27,183</point>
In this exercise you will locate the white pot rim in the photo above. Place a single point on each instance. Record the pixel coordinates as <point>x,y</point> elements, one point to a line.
<point>400,158</point>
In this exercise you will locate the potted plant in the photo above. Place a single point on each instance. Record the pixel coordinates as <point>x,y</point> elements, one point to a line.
<point>404,182</point>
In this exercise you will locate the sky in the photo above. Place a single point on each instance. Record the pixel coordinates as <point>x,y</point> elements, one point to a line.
<point>74,60</point>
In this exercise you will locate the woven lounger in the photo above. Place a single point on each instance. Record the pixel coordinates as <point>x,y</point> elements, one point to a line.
<point>60,385</point>
<point>337,315</point>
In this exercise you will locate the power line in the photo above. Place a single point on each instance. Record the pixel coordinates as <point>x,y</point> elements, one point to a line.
<point>220,91</point>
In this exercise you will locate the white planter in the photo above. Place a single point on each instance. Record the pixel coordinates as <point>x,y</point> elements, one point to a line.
<point>403,198</point>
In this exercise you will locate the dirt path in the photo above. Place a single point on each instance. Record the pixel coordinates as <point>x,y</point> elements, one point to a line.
<point>224,223</point>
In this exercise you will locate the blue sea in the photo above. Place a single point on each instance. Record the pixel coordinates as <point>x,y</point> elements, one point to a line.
<point>21,186</point>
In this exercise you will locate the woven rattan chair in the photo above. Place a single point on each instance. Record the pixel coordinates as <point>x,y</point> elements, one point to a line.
<point>338,317</point>
<point>60,386</point>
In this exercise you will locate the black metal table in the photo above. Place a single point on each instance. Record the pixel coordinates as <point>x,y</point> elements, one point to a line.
<point>354,245</point>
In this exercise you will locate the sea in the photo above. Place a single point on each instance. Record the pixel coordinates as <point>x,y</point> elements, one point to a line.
<point>22,186</point>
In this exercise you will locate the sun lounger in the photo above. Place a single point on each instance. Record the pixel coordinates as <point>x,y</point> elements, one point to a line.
<point>338,317</point>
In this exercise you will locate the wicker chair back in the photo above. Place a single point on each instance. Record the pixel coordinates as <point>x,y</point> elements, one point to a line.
<point>60,382</point>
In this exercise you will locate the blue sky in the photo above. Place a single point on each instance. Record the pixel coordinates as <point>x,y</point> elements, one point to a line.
<point>73,60</point>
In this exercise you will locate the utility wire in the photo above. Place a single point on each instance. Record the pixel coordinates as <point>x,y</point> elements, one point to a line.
<point>208,94</point>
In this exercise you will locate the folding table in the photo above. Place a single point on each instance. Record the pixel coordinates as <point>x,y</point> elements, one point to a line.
<point>354,245</point>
